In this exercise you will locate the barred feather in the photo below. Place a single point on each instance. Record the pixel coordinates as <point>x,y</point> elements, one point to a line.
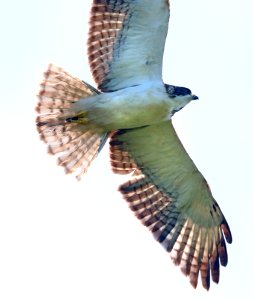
<point>121,161</point>
<point>194,248</point>
<point>75,146</point>
<point>192,233</point>
<point>117,29</point>
<point>106,22</point>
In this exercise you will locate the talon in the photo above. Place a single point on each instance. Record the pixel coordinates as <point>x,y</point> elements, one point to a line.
<point>80,119</point>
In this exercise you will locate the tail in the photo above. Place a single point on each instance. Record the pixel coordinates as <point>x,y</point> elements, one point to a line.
<point>74,144</point>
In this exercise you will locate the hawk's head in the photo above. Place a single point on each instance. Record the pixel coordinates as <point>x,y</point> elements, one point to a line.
<point>178,91</point>
<point>181,95</point>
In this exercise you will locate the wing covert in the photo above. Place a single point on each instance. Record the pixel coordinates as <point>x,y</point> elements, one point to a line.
<point>126,41</point>
<point>171,197</point>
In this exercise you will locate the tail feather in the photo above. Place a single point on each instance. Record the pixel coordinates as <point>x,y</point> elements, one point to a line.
<point>60,90</point>
<point>75,145</point>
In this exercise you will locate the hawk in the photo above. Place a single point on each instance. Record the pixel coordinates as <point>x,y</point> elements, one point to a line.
<point>133,107</point>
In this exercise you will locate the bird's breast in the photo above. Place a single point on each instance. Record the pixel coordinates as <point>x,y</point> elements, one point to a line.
<point>129,108</point>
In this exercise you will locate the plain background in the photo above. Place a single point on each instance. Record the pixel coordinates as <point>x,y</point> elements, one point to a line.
<point>60,239</point>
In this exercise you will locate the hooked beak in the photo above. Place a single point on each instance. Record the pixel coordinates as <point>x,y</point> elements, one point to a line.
<point>194,97</point>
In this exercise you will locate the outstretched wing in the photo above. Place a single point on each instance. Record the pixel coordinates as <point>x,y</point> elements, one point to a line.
<point>172,198</point>
<point>126,41</point>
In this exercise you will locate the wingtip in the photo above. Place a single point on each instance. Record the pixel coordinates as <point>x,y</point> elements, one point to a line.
<point>227,232</point>
<point>194,283</point>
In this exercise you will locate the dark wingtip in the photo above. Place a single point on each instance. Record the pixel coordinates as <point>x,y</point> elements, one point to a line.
<point>226,231</point>
<point>222,250</point>
<point>194,283</point>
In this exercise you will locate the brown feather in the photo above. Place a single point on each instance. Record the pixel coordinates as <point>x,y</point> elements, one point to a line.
<point>197,246</point>
<point>75,145</point>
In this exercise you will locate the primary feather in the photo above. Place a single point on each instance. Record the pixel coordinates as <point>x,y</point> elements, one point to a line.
<point>171,197</point>
<point>126,41</point>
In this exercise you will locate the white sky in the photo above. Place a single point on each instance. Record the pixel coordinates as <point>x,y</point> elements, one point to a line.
<point>60,239</point>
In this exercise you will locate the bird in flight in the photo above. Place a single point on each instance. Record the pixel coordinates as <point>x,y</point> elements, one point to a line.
<point>132,108</point>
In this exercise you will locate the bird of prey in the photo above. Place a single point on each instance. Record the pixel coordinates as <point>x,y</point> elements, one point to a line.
<point>132,108</point>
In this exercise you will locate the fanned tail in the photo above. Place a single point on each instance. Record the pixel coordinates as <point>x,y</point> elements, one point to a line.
<point>62,130</point>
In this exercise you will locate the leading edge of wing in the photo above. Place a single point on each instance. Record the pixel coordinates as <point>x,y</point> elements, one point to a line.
<point>171,197</point>
<point>126,41</point>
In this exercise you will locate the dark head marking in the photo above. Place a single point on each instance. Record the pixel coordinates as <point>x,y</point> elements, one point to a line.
<point>175,91</point>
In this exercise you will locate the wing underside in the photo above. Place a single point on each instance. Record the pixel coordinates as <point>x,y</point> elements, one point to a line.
<point>170,196</point>
<point>126,41</point>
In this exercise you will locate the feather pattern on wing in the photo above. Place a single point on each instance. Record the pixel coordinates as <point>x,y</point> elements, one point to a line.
<point>171,197</point>
<point>117,29</point>
<point>75,146</point>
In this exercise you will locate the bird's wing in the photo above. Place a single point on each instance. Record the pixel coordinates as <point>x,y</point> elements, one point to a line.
<point>172,198</point>
<point>126,41</point>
